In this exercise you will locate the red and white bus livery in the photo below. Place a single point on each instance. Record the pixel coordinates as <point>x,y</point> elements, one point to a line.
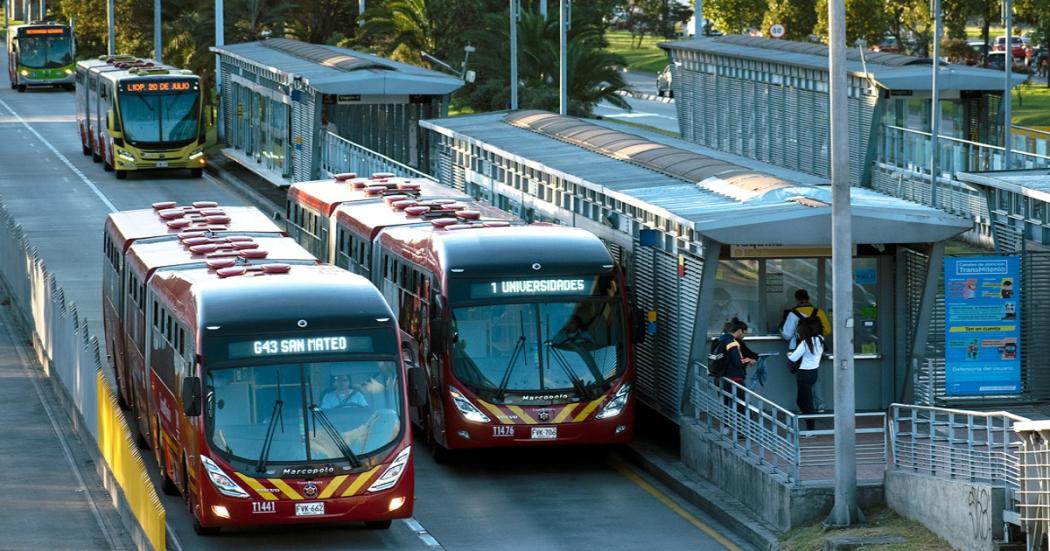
<point>271,388</point>
<point>523,329</point>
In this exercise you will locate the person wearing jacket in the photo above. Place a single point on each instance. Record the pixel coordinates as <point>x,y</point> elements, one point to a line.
<point>736,362</point>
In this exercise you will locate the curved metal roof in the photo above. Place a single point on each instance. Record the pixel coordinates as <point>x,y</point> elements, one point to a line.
<point>730,199</point>
<point>324,56</point>
<point>811,48</point>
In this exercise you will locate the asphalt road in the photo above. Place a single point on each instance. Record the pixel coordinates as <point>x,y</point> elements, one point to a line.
<point>571,498</point>
<point>661,116</point>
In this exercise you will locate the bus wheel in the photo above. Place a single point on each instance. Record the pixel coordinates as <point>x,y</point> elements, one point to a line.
<point>204,530</point>
<point>378,524</point>
<point>21,88</point>
<point>196,172</point>
<point>121,174</point>
<point>167,485</point>
<point>85,149</point>
<point>106,166</point>
<point>96,157</point>
<point>69,87</point>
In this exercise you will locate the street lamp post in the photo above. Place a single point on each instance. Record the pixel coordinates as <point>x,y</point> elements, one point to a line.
<point>935,104</point>
<point>156,31</point>
<point>1007,97</point>
<point>844,512</point>
<point>111,46</point>
<point>220,40</point>
<point>563,77</point>
<point>513,55</point>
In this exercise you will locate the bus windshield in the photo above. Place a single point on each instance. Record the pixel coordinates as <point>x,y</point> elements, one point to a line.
<point>159,117</point>
<point>570,347</point>
<point>44,52</point>
<point>300,409</point>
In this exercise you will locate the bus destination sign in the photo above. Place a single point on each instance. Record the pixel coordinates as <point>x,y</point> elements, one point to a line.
<point>159,86</point>
<point>575,286</point>
<point>299,346</point>
<point>42,30</point>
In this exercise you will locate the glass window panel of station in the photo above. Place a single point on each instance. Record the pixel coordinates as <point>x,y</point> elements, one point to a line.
<point>735,294</point>
<point>782,277</point>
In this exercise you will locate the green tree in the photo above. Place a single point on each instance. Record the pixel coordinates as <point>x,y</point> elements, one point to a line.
<point>865,19</point>
<point>134,31</point>
<point>798,17</point>
<point>594,73</point>
<point>735,16</point>
<point>910,19</point>
<point>322,21</point>
<point>1037,13</point>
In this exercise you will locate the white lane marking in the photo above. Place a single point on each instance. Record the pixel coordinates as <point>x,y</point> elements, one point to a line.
<point>61,157</point>
<point>46,405</point>
<point>172,540</point>
<point>422,533</point>
<point>43,118</point>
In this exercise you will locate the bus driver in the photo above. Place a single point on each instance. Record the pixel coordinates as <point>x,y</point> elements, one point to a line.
<point>341,395</point>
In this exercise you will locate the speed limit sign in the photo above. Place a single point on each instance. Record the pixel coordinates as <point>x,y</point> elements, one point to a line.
<point>776,30</point>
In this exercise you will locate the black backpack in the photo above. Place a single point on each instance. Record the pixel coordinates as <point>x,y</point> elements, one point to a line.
<point>716,358</point>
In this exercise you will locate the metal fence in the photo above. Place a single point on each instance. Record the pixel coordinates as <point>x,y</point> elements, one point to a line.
<point>953,443</point>
<point>1034,471</point>
<point>341,155</point>
<point>773,436</point>
<point>73,357</point>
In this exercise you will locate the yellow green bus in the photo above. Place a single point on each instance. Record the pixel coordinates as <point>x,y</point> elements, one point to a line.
<point>40,54</point>
<point>135,114</point>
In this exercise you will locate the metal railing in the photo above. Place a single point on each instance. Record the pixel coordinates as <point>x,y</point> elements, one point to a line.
<point>341,155</point>
<point>911,149</point>
<point>953,443</point>
<point>1034,469</point>
<point>771,435</point>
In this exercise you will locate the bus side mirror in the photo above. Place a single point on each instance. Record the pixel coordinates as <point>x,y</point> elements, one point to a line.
<point>638,329</point>
<point>109,120</point>
<point>191,396</point>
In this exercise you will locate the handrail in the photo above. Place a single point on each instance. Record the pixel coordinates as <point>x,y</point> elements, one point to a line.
<point>952,139</point>
<point>353,157</point>
<point>972,413</point>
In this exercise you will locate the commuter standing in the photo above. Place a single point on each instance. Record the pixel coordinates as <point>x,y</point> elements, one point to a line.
<point>808,352</point>
<point>736,362</point>
<point>804,309</point>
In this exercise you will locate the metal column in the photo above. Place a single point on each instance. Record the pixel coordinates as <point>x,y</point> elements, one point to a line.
<point>220,40</point>
<point>563,100</point>
<point>111,45</point>
<point>156,31</point>
<point>1008,121</point>
<point>712,251</point>
<point>513,55</point>
<point>935,104</point>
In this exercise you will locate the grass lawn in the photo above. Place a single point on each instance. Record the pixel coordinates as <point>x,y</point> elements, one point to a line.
<point>1032,109</point>
<point>974,31</point>
<point>881,522</point>
<point>648,58</point>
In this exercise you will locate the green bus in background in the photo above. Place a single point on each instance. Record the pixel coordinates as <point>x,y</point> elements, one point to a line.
<point>40,54</point>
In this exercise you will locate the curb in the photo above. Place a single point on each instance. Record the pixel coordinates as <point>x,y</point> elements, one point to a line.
<point>646,97</point>
<point>722,506</point>
<point>251,195</point>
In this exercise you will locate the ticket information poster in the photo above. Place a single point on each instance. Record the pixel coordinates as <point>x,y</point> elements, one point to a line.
<point>982,324</point>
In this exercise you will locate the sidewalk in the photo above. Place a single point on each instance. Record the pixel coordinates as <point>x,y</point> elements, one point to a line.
<point>54,500</point>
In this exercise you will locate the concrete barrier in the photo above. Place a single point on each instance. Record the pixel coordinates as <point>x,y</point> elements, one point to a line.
<point>779,503</point>
<point>71,357</point>
<point>968,515</point>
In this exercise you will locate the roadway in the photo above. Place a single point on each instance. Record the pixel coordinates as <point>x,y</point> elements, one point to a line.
<point>655,114</point>
<point>567,498</point>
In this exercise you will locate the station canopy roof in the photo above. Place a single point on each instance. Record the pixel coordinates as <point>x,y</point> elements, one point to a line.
<point>334,70</point>
<point>732,200</point>
<point>889,71</point>
<point>1034,183</point>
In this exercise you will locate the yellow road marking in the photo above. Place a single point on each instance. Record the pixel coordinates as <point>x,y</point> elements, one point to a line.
<point>565,413</point>
<point>255,485</point>
<point>522,415</point>
<point>331,487</point>
<point>360,481</point>
<point>670,504</point>
<point>587,410</point>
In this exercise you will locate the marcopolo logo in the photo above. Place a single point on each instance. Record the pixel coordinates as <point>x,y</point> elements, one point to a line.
<point>308,471</point>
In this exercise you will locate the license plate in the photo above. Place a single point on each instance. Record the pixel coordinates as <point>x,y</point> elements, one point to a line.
<point>309,509</point>
<point>544,433</point>
<point>162,164</point>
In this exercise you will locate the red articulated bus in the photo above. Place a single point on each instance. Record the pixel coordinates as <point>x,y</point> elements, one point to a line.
<point>271,387</point>
<point>523,329</point>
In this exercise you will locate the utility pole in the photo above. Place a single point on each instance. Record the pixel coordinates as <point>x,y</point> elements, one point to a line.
<point>111,46</point>
<point>1008,120</point>
<point>43,10</point>
<point>543,9</point>
<point>513,55</point>
<point>220,40</point>
<point>156,31</point>
<point>360,13</point>
<point>563,28</point>
<point>844,512</point>
<point>935,104</point>
<point>698,19</point>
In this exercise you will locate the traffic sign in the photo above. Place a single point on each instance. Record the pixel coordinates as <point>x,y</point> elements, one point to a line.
<point>776,30</point>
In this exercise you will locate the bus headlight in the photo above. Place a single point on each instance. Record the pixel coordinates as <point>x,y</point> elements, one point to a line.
<point>392,473</point>
<point>467,409</point>
<point>196,154</point>
<point>69,71</point>
<point>221,481</point>
<point>125,155</point>
<point>617,404</point>
<point>24,72</point>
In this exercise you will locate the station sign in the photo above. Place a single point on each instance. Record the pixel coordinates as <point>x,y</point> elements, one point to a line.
<point>982,325</point>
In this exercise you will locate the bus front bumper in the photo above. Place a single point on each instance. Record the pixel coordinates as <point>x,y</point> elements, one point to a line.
<point>29,81</point>
<point>129,160</point>
<point>462,434</point>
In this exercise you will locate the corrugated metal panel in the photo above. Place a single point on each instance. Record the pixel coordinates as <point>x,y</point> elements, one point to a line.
<point>645,297</point>
<point>1035,323</point>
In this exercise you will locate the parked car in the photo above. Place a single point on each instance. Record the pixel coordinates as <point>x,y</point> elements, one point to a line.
<point>888,44</point>
<point>663,83</point>
<point>1018,43</point>
<point>997,60</point>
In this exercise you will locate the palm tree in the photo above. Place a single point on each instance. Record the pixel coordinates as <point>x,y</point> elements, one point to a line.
<point>401,29</point>
<point>594,73</point>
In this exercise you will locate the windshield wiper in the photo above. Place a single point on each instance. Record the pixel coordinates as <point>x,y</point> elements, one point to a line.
<point>333,433</point>
<point>278,406</point>
<point>577,383</point>
<point>519,348</point>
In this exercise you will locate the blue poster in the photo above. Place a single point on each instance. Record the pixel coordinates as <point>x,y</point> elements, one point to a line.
<point>982,325</point>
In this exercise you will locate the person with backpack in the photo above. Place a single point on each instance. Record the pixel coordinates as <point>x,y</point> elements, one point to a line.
<point>727,361</point>
<point>803,309</point>
<point>807,352</point>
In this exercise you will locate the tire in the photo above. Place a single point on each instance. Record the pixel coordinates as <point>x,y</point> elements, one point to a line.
<point>85,149</point>
<point>107,167</point>
<point>69,87</point>
<point>21,88</point>
<point>167,485</point>
<point>196,172</point>
<point>378,524</point>
<point>122,174</point>
<point>96,157</point>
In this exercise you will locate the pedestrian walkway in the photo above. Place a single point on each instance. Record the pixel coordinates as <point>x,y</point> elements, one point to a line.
<point>53,499</point>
